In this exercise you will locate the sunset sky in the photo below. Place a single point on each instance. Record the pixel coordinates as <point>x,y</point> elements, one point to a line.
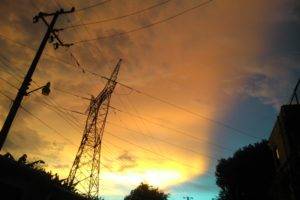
<point>229,63</point>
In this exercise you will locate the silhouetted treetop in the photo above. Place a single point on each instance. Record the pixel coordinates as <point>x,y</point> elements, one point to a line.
<point>38,168</point>
<point>146,192</point>
<point>246,175</point>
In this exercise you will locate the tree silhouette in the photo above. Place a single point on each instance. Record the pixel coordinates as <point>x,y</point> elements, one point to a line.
<point>38,168</point>
<point>146,192</point>
<point>247,175</point>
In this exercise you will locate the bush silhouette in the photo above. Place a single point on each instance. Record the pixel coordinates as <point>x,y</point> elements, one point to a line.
<point>246,175</point>
<point>146,192</point>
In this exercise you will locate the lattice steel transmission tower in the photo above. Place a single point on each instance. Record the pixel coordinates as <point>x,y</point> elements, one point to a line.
<point>86,167</point>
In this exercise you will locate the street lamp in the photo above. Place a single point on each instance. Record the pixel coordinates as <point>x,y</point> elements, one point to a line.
<point>45,90</point>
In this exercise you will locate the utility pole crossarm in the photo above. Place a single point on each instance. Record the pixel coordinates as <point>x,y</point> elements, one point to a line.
<point>59,12</point>
<point>54,32</point>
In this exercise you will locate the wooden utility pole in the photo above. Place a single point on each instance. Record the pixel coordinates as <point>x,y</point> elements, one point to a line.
<point>50,35</point>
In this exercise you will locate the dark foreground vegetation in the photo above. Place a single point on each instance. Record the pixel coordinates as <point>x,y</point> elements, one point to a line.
<point>248,174</point>
<point>146,192</point>
<point>268,170</point>
<point>21,179</point>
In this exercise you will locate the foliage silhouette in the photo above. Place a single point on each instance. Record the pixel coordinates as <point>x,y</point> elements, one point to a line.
<point>37,166</point>
<point>247,175</point>
<point>35,172</point>
<point>146,192</point>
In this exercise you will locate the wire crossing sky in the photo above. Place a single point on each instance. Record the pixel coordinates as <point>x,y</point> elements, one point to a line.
<point>145,26</point>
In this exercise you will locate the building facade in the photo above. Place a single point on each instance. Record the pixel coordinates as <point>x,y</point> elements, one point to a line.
<point>285,144</point>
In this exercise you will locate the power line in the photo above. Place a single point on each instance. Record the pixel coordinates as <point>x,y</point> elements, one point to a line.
<point>56,88</point>
<point>59,108</point>
<point>58,111</point>
<point>5,95</point>
<point>136,111</point>
<point>156,98</point>
<point>9,83</point>
<point>145,149</point>
<point>174,129</point>
<point>171,104</point>
<point>86,29</point>
<point>180,108</point>
<point>208,173</point>
<point>19,74</point>
<point>148,150</point>
<point>146,26</point>
<point>9,73</point>
<point>53,103</point>
<point>158,124</point>
<point>164,141</point>
<point>16,42</point>
<point>72,94</point>
<point>92,6</point>
<point>118,17</point>
<point>189,111</point>
<point>44,123</point>
<point>33,49</point>
<point>62,110</point>
<point>122,163</point>
<point>49,55</point>
<point>40,120</point>
<point>47,125</point>
<point>54,108</point>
